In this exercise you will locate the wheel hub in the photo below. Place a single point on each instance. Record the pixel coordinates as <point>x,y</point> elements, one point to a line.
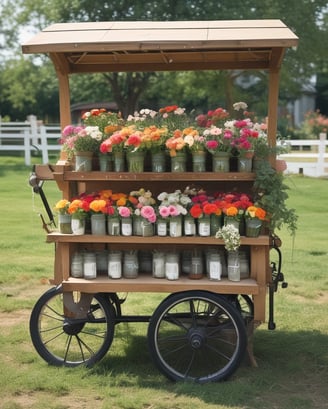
<point>196,338</point>
<point>72,328</point>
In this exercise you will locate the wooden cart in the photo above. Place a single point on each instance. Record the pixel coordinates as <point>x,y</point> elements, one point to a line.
<point>202,328</point>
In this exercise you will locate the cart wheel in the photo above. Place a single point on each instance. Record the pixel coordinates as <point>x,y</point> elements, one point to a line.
<point>245,306</point>
<point>197,336</point>
<point>61,340</point>
<point>116,303</point>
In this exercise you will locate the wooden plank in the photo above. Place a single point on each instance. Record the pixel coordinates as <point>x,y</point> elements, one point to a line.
<point>148,284</point>
<point>57,237</point>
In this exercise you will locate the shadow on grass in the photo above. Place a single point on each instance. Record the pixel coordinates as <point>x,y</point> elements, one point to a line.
<point>286,360</point>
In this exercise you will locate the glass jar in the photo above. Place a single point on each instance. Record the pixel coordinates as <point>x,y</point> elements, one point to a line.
<point>189,226</point>
<point>158,162</point>
<point>137,230</point>
<point>147,228</point>
<point>221,162</point>
<point>98,224</point>
<point>136,161</point>
<point>233,266</point>
<point>158,265</point>
<point>172,267</point>
<point>119,161</point>
<point>115,264</point>
<point>77,265</point>
<point>215,222</point>
<point>161,226</point>
<point>245,161</point>
<point>105,162</point>
<point>113,226</point>
<point>175,226</point>
<point>89,266</point>
<point>179,162</point>
<point>186,262</point>
<point>197,269</point>
<point>199,161</point>
<point>65,223</point>
<point>214,266</point>
<point>126,226</point>
<point>83,161</point>
<point>204,226</point>
<point>130,265</point>
<point>145,262</point>
<point>102,262</point>
<point>78,225</point>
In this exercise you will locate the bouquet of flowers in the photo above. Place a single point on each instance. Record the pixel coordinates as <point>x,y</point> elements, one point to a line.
<point>231,237</point>
<point>173,204</point>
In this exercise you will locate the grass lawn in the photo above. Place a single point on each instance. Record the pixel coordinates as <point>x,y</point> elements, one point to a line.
<point>292,360</point>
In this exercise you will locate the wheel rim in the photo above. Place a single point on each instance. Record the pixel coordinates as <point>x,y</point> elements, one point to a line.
<point>198,338</point>
<point>67,341</point>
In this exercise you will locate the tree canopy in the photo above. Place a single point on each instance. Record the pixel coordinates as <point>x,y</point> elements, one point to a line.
<point>35,86</point>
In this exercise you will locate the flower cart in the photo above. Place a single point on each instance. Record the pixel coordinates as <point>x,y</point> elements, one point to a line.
<point>203,327</point>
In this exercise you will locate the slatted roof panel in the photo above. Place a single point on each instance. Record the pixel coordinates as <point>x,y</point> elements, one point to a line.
<point>163,46</point>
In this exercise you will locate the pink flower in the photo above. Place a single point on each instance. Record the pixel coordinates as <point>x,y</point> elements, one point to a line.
<point>124,211</point>
<point>164,211</point>
<point>148,213</point>
<point>173,211</point>
<point>212,144</point>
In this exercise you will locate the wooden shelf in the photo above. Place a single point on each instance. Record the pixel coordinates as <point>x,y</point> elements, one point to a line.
<point>145,283</point>
<point>155,240</point>
<point>71,176</point>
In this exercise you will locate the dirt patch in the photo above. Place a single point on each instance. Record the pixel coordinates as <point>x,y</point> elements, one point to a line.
<point>13,318</point>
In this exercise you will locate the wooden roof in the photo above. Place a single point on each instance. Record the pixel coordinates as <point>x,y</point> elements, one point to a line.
<point>163,46</point>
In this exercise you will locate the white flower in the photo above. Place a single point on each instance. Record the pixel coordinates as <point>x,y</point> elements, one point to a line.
<point>94,132</point>
<point>180,111</point>
<point>231,237</point>
<point>237,106</point>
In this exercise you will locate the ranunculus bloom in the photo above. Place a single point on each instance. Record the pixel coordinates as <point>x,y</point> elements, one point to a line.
<point>124,211</point>
<point>98,206</point>
<point>164,211</point>
<point>232,211</point>
<point>147,212</point>
<point>196,211</point>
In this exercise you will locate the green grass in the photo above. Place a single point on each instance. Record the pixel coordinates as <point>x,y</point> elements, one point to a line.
<point>293,359</point>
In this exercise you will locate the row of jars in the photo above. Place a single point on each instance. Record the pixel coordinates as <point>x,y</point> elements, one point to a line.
<point>213,263</point>
<point>160,161</point>
<point>137,226</point>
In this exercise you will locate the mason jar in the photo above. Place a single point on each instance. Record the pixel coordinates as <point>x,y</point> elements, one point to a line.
<point>172,266</point>
<point>115,264</point>
<point>89,266</point>
<point>130,265</point>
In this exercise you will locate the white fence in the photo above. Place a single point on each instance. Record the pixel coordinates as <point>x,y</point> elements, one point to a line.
<point>29,137</point>
<point>310,158</point>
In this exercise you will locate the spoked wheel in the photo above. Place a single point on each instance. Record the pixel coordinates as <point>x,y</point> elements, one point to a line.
<point>244,305</point>
<point>81,335</point>
<point>197,336</point>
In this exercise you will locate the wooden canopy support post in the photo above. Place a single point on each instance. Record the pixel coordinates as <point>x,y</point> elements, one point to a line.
<point>273,109</point>
<point>62,70</point>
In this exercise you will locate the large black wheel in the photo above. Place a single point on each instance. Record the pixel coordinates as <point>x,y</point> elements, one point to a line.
<point>81,335</point>
<point>197,336</point>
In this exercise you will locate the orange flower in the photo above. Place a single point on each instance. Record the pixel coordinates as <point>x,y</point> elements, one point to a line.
<point>232,211</point>
<point>98,206</point>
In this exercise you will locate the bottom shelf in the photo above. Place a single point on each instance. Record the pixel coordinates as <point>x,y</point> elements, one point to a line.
<point>145,283</point>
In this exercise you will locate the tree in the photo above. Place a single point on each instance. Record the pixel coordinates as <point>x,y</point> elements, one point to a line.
<point>306,17</point>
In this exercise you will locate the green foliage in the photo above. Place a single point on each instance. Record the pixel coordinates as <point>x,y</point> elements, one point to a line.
<point>307,18</point>
<point>271,194</point>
